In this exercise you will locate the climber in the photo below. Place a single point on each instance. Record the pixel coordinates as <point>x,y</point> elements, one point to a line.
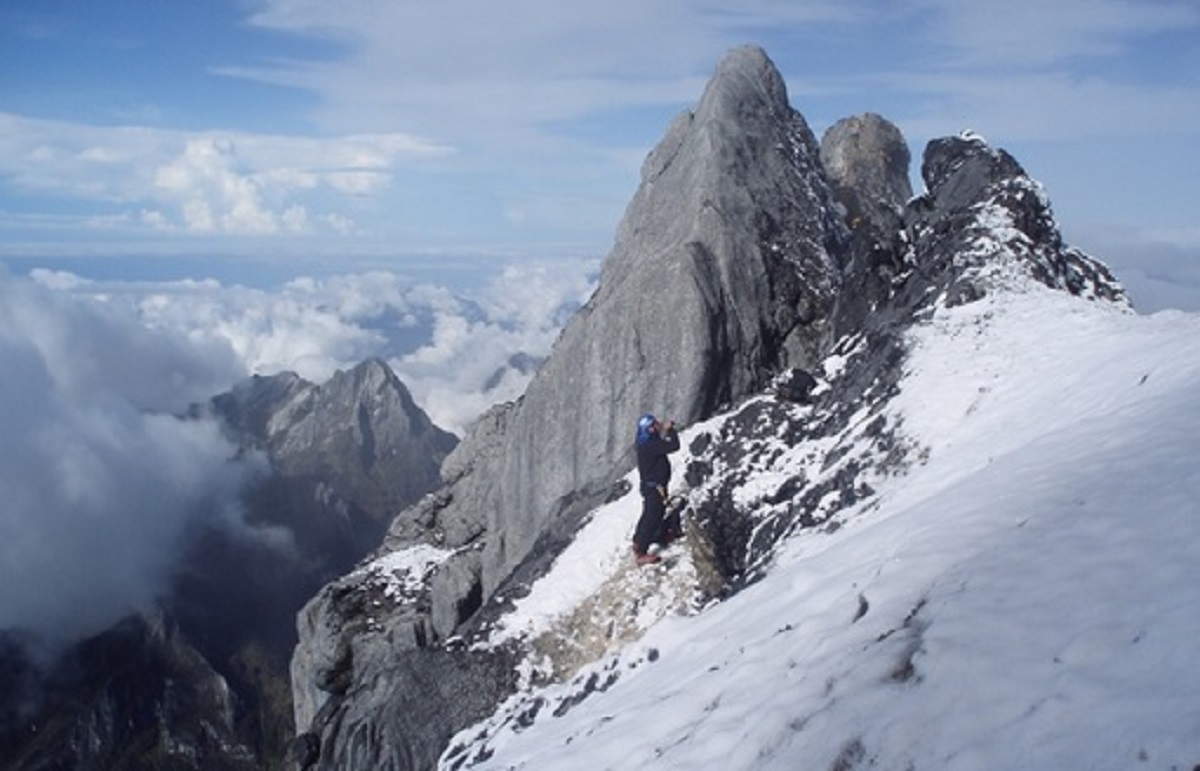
<point>655,441</point>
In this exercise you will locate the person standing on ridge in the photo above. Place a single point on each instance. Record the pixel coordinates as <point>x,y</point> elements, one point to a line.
<point>655,441</point>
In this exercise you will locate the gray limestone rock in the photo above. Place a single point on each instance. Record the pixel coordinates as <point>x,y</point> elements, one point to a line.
<point>456,592</point>
<point>362,430</point>
<point>721,275</point>
<point>382,726</point>
<point>366,446</point>
<point>868,160</point>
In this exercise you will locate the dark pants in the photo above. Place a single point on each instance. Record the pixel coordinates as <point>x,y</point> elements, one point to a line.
<point>654,526</point>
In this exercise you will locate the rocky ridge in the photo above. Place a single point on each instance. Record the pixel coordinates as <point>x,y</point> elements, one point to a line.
<point>750,259</point>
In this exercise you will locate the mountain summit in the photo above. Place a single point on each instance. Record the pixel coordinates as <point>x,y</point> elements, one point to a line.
<point>750,256</point>
<point>716,281</point>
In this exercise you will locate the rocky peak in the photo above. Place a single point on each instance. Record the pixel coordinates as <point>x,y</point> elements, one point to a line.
<point>360,433</point>
<point>745,76</point>
<point>983,223</point>
<point>734,212</point>
<point>721,275</point>
<point>868,161</point>
<point>745,85</point>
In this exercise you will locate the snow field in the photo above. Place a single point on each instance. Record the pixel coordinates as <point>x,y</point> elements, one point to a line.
<point>1027,598</point>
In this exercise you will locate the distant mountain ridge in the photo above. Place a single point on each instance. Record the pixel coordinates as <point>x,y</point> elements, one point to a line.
<point>359,436</point>
<point>749,252</point>
<point>202,682</point>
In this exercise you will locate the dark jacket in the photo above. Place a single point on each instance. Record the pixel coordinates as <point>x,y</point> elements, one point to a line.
<point>653,465</point>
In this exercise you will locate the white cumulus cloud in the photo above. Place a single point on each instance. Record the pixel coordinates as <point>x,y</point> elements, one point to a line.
<point>206,182</point>
<point>452,348</point>
<point>98,479</point>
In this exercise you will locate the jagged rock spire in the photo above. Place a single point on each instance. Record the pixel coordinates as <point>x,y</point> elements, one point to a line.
<point>868,160</point>
<point>723,255</point>
<point>983,223</point>
<point>721,274</point>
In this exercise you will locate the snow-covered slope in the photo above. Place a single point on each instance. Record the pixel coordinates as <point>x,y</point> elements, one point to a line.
<point>1027,596</point>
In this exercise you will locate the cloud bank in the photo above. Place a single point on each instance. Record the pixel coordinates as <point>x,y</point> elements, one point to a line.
<point>451,348</point>
<point>100,482</point>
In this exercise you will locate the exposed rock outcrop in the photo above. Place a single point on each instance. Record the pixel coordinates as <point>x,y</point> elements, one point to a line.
<point>983,222</point>
<point>868,163</point>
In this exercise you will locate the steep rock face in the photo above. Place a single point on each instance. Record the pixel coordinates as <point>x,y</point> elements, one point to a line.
<point>729,243</point>
<point>721,274</point>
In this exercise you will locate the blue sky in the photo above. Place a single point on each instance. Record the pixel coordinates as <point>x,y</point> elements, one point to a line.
<point>257,139</point>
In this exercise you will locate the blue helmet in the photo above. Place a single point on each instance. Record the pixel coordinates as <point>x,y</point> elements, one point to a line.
<point>644,425</point>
